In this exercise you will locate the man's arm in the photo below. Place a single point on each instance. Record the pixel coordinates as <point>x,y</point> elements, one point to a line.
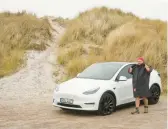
<point>130,70</point>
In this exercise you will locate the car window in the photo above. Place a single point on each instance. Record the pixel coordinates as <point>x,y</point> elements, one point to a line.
<point>124,72</point>
<point>100,71</point>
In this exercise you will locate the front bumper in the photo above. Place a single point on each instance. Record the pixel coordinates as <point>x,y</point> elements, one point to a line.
<point>81,102</point>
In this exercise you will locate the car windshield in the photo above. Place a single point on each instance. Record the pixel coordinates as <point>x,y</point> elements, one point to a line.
<point>100,71</point>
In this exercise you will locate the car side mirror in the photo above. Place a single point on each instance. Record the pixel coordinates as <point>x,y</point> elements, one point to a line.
<point>122,78</point>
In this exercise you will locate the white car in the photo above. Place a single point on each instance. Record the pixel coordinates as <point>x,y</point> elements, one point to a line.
<point>101,87</point>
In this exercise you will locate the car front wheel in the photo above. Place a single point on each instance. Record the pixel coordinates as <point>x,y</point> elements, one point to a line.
<point>107,104</point>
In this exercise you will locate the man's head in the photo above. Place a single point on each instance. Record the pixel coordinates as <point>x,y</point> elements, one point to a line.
<point>140,60</point>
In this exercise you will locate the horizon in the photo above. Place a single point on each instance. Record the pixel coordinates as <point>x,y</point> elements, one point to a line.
<point>154,10</point>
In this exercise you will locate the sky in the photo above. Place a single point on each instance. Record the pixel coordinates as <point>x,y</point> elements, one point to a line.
<point>153,9</point>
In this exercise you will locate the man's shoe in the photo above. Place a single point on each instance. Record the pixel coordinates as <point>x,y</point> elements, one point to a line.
<point>145,109</point>
<point>136,111</point>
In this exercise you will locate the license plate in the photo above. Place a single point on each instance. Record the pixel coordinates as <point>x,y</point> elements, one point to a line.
<point>66,100</point>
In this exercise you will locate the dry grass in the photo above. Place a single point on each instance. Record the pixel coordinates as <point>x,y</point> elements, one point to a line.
<point>20,32</point>
<point>93,26</point>
<point>114,36</point>
<point>63,22</point>
<point>66,54</point>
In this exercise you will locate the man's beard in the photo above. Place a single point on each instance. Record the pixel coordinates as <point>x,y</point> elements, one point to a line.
<point>141,64</point>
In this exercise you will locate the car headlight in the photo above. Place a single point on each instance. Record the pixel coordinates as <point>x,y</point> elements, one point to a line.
<point>92,91</point>
<point>57,88</point>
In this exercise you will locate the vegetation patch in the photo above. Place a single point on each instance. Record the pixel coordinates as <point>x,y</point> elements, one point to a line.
<point>20,32</point>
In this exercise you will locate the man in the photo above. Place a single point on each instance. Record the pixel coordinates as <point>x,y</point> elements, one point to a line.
<point>141,73</point>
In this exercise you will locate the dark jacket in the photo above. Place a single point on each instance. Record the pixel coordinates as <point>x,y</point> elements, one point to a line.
<point>140,80</point>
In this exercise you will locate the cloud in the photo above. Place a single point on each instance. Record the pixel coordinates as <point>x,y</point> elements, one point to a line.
<point>154,9</point>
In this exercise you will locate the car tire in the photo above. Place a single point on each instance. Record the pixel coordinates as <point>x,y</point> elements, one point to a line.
<point>155,94</point>
<point>107,104</point>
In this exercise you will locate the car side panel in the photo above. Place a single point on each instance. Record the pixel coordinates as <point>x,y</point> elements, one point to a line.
<point>111,86</point>
<point>155,79</point>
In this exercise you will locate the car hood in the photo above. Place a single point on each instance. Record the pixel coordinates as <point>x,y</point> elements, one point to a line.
<point>80,85</point>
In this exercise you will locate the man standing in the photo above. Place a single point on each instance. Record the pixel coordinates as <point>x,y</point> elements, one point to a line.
<point>141,74</point>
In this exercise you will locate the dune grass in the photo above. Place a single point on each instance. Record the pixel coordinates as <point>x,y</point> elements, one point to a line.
<point>113,36</point>
<point>20,32</point>
<point>63,22</point>
<point>93,26</point>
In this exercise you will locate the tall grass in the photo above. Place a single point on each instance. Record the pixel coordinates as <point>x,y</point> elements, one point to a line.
<point>114,36</point>
<point>93,26</point>
<point>19,32</point>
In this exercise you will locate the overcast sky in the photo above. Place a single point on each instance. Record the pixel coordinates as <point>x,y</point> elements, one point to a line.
<point>153,9</point>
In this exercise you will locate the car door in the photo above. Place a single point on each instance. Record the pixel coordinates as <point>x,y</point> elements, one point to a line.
<point>124,87</point>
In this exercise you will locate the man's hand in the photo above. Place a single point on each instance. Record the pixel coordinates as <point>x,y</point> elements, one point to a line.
<point>130,70</point>
<point>147,67</point>
<point>134,89</point>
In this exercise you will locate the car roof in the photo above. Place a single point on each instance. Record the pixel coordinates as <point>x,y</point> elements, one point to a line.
<point>119,63</point>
